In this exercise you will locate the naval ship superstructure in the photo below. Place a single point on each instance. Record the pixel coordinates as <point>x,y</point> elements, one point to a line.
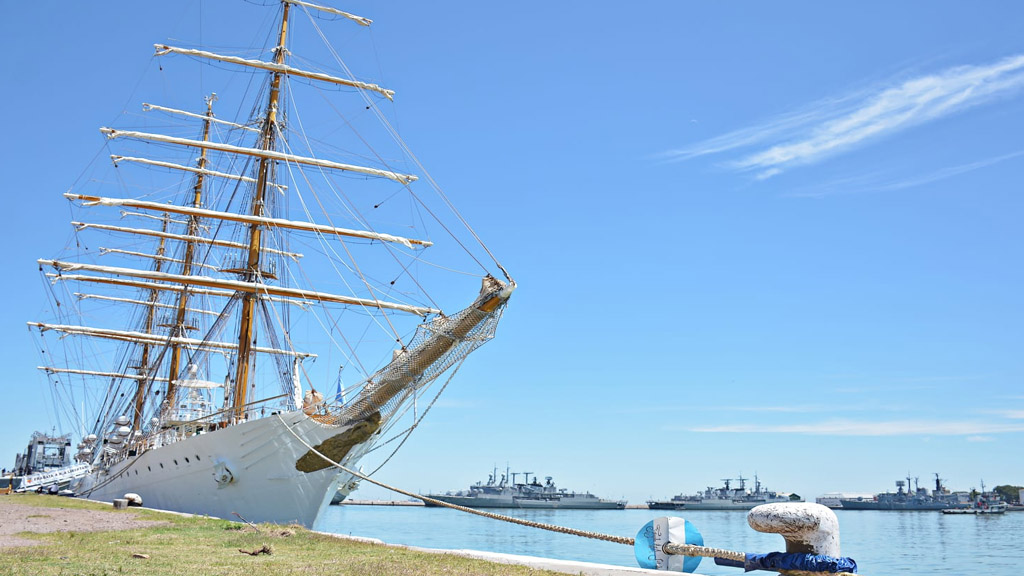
<point>505,492</point>
<point>725,498</point>
<point>904,499</point>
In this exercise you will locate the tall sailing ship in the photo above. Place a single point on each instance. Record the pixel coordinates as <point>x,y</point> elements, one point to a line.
<point>219,251</point>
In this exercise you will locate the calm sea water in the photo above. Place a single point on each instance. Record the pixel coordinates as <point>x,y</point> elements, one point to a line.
<point>881,542</point>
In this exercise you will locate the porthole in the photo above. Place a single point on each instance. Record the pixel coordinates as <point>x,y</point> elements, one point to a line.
<point>175,462</point>
<point>186,459</point>
<point>197,457</point>
<point>161,464</point>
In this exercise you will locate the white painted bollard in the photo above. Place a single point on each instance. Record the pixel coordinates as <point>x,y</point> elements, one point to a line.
<point>808,528</point>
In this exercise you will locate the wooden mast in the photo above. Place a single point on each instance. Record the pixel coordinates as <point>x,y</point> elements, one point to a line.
<point>246,330</point>
<point>144,368</point>
<point>178,329</point>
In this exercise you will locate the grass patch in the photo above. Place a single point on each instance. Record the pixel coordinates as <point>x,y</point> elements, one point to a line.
<point>203,546</point>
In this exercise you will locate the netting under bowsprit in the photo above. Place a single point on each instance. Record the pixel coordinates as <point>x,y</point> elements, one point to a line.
<point>437,346</point>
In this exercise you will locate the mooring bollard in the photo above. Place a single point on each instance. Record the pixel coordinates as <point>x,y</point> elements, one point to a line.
<point>808,528</point>
<point>120,503</point>
<point>649,544</point>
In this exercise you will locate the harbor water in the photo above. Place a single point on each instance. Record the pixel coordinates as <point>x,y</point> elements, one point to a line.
<point>881,542</point>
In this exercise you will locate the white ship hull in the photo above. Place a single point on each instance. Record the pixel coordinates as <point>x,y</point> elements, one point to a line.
<point>60,477</point>
<point>260,456</point>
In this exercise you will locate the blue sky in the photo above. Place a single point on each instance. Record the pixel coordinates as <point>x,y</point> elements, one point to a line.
<point>779,239</point>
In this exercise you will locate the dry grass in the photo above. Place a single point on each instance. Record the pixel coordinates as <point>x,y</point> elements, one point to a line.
<point>202,546</point>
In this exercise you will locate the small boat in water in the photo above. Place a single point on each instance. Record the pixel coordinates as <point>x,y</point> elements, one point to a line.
<point>983,503</point>
<point>724,498</point>
<point>984,508</point>
<point>506,493</point>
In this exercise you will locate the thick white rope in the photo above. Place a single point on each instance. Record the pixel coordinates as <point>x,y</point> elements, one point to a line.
<point>679,549</point>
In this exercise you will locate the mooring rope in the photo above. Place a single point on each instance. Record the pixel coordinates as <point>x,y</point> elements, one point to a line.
<point>670,548</point>
<point>707,552</point>
<point>541,525</point>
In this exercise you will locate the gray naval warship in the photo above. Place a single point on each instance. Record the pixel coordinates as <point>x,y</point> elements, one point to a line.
<point>724,498</point>
<point>903,499</point>
<point>507,493</point>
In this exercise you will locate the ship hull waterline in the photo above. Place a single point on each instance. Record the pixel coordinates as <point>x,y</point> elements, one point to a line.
<point>745,505</point>
<point>261,483</point>
<point>562,505</point>
<point>895,506</point>
<point>473,502</point>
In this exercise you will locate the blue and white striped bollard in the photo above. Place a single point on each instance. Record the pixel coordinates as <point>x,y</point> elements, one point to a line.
<point>655,534</point>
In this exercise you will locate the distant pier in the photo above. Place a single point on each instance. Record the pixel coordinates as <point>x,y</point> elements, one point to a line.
<point>420,503</point>
<point>381,503</point>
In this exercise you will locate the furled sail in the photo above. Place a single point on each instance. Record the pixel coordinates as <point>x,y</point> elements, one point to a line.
<point>147,107</point>
<point>240,286</point>
<point>246,219</point>
<point>162,49</point>
<point>181,237</point>
<point>268,154</point>
<point>357,19</point>
<point>145,338</point>
<point>215,173</point>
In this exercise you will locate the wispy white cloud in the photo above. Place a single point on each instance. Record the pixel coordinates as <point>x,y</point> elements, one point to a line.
<point>980,439</point>
<point>950,172</point>
<point>862,184</point>
<point>785,408</point>
<point>1012,414</point>
<point>837,125</point>
<point>870,428</point>
<point>763,409</point>
<point>811,408</point>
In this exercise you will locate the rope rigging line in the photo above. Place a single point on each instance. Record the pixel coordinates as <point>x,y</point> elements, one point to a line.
<point>349,207</point>
<point>401,143</point>
<point>355,267</point>
<point>52,385</point>
<point>550,527</point>
<point>419,200</point>
<point>408,432</point>
<point>359,217</point>
<point>671,548</point>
